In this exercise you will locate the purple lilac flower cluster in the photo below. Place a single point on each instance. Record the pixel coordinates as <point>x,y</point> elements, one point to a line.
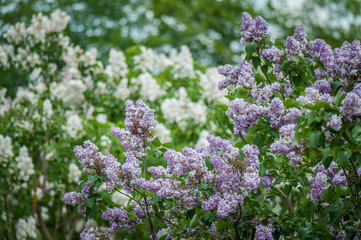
<point>119,218</point>
<point>333,172</point>
<point>296,44</point>
<point>351,105</point>
<point>244,114</point>
<point>240,76</point>
<point>139,124</point>
<point>287,145</point>
<point>264,232</point>
<point>75,198</point>
<point>98,233</point>
<point>253,30</point>
<point>98,163</point>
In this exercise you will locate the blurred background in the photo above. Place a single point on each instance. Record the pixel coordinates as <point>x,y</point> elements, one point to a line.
<point>211,28</point>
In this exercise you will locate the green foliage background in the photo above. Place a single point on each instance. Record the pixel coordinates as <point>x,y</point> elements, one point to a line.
<point>210,28</point>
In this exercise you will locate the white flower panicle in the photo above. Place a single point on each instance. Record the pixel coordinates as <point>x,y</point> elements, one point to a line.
<point>74,173</point>
<point>117,67</point>
<point>183,63</point>
<point>74,126</point>
<point>122,91</point>
<point>6,51</point>
<point>145,60</point>
<point>16,33</point>
<point>202,140</point>
<point>59,20</point>
<point>71,92</point>
<point>24,164</point>
<point>48,108</point>
<point>149,88</point>
<point>26,228</point>
<point>6,150</point>
<point>209,82</point>
<point>178,110</point>
<point>163,133</point>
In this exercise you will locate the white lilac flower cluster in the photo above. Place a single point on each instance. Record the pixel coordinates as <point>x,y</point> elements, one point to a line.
<point>26,228</point>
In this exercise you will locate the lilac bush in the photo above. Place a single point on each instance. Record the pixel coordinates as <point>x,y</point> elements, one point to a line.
<point>291,170</point>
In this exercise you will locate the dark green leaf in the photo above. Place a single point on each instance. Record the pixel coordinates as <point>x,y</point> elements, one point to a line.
<point>342,157</point>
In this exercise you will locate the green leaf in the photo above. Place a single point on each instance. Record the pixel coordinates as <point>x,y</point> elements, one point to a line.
<point>209,165</point>
<point>250,48</point>
<point>277,209</point>
<point>285,66</point>
<point>264,69</point>
<point>195,222</point>
<point>223,225</point>
<point>89,202</point>
<point>222,106</point>
<point>342,157</point>
<point>157,142</point>
<point>132,215</point>
<point>279,44</point>
<point>314,139</point>
<point>325,153</point>
<point>310,209</point>
<point>338,99</point>
<point>296,59</point>
<point>256,62</point>
<point>267,40</point>
<point>279,180</point>
<point>334,214</point>
<point>356,131</point>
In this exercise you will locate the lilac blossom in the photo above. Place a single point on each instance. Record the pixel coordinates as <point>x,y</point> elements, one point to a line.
<point>334,122</point>
<point>118,217</point>
<point>318,186</point>
<point>296,44</point>
<point>261,95</point>
<point>98,163</point>
<point>97,233</point>
<point>244,114</point>
<point>253,31</point>
<point>139,124</point>
<point>218,144</point>
<point>322,86</point>
<point>226,178</point>
<point>240,76</point>
<point>273,54</point>
<point>264,232</point>
<point>315,48</point>
<point>351,104</point>
<point>229,204</point>
<point>340,179</point>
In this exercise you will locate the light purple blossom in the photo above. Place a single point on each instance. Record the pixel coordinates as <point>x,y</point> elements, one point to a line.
<point>244,114</point>
<point>97,233</point>
<point>273,54</point>
<point>264,232</point>
<point>334,122</point>
<point>240,76</point>
<point>351,104</point>
<point>139,124</point>
<point>229,204</point>
<point>318,186</point>
<point>253,31</point>
<point>340,179</point>
<point>296,44</point>
<point>118,217</point>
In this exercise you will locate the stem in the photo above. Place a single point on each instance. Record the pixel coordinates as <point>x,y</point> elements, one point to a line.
<point>243,138</point>
<point>355,197</point>
<point>288,201</point>
<point>6,201</point>
<point>145,196</point>
<point>43,229</point>
<point>182,228</point>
